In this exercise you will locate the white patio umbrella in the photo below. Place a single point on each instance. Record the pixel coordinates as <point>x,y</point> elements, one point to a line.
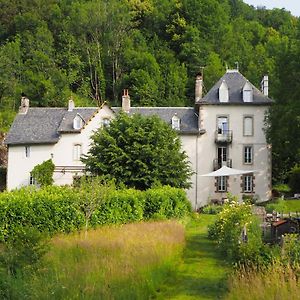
<point>225,171</point>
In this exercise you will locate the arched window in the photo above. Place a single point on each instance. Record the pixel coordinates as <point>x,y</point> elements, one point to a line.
<point>224,92</point>
<point>247,92</point>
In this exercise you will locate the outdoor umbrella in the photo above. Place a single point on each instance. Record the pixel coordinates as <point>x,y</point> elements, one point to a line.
<point>225,171</point>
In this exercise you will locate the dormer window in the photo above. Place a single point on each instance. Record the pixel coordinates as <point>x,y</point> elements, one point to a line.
<point>175,122</point>
<point>247,92</point>
<point>223,92</point>
<point>105,122</point>
<point>77,122</point>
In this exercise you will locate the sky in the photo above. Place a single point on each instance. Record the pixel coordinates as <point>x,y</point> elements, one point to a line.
<point>291,5</point>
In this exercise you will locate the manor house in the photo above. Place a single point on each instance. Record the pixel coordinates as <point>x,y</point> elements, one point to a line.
<point>224,128</point>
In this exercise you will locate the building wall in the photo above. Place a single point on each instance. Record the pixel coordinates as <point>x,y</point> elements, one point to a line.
<point>208,151</point>
<point>19,166</point>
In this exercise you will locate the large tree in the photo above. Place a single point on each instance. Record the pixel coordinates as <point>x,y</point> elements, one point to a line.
<point>139,151</point>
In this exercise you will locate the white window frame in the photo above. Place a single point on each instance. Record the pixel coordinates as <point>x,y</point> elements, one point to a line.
<point>175,122</point>
<point>251,133</point>
<point>248,183</point>
<point>77,122</point>
<point>248,155</point>
<point>27,150</point>
<point>222,184</point>
<point>77,151</point>
<point>105,122</point>
<point>32,180</point>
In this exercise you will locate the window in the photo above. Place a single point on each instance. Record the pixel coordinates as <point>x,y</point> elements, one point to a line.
<point>77,152</point>
<point>223,92</point>
<point>222,184</point>
<point>175,122</point>
<point>248,126</point>
<point>105,122</point>
<point>248,155</point>
<point>32,180</point>
<point>247,92</point>
<point>222,157</point>
<point>27,151</point>
<point>222,125</point>
<point>77,122</point>
<point>248,184</point>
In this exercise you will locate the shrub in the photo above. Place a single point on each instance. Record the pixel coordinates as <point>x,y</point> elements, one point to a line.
<point>166,202</point>
<point>291,250</point>
<point>212,209</point>
<point>238,234</point>
<point>294,179</point>
<point>64,209</point>
<point>43,173</point>
<point>24,249</point>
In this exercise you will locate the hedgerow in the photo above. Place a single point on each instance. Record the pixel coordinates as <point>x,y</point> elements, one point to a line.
<point>54,209</point>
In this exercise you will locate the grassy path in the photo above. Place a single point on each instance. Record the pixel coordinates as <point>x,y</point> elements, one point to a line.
<point>202,273</point>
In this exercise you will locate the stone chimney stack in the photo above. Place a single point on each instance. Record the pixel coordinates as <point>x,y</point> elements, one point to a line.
<point>24,105</point>
<point>71,104</point>
<point>125,101</point>
<point>265,85</point>
<point>198,88</point>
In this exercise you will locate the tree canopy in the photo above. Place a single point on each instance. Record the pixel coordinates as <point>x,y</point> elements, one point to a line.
<point>139,152</point>
<point>93,49</point>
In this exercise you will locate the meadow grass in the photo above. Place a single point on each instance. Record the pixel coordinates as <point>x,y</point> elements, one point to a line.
<point>124,262</point>
<point>275,282</point>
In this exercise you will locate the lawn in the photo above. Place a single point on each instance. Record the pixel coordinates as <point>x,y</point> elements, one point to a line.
<point>284,206</point>
<point>202,273</point>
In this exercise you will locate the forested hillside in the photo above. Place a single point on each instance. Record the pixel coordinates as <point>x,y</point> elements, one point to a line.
<point>92,49</point>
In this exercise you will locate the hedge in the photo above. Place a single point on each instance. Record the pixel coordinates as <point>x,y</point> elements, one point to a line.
<point>55,209</point>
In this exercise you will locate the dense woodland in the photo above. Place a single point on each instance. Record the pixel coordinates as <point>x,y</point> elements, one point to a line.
<point>92,49</point>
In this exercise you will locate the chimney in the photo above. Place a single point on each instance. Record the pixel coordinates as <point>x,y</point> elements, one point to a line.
<point>198,88</point>
<point>71,104</point>
<point>24,105</point>
<point>265,85</point>
<point>125,101</point>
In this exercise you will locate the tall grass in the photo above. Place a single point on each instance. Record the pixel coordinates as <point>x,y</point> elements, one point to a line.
<point>125,262</point>
<point>275,282</point>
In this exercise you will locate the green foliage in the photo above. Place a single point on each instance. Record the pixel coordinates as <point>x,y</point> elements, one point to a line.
<point>290,254</point>
<point>294,179</point>
<point>43,173</point>
<point>281,189</point>
<point>279,206</point>
<point>238,234</point>
<point>139,151</point>
<point>165,203</point>
<point>22,250</point>
<point>212,209</point>
<point>55,209</point>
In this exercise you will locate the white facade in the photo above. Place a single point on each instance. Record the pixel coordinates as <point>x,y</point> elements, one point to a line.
<point>62,153</point>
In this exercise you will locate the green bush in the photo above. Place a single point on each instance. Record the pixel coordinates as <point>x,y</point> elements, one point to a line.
<point>43,173</point>
<point>294,179</point>
<point>291,250</point>
<point>212,209</point>
<point>165,202</point>
<point>238,234</point>
<point>56,209</point>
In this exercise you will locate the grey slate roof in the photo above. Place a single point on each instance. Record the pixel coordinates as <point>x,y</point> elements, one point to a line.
<point>235,82</point>
<point>43,125</point>
<point>85,113</point>
<point>187,115</point>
